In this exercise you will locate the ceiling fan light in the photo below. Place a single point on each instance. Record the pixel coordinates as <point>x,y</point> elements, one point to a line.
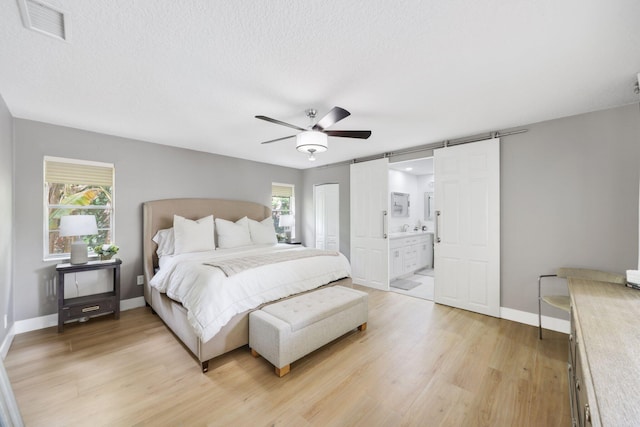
<point>311,141</point>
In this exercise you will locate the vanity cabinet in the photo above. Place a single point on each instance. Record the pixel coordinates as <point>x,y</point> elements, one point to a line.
<point>409,254</point>
<point>425,252</point>
<point>396,262</point>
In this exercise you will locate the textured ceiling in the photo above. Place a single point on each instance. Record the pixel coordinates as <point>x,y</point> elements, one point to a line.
<point>195,73</point>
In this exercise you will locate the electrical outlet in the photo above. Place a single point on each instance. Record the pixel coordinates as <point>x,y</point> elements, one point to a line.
<point>140,280</point>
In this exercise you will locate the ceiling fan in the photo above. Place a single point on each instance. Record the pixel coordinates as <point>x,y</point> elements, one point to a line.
<point>314,139</point>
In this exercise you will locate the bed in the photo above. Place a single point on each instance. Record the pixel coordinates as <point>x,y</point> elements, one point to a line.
<point>159,215</point>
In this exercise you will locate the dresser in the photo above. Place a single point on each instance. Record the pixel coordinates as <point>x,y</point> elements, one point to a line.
<point>604,354</point>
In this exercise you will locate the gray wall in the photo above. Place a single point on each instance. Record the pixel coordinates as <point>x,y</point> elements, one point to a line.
<point>144,171</point>
<point>6,217</point>
<point>569,197</point>
<point>337,174</point>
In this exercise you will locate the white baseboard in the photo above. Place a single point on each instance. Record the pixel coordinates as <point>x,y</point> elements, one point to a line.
<point>6,343</point>
<point>130,304</point>
<point>551,323</point>
<point>27,325</point>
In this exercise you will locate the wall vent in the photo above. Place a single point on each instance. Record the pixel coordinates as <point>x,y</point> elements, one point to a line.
<point>45,19</point>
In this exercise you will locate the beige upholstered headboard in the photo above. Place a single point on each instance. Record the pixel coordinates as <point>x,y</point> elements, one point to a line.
<point>158,214</point>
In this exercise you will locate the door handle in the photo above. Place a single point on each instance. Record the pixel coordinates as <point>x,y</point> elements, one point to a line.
<point>384,224</point>
<point>437,227</point>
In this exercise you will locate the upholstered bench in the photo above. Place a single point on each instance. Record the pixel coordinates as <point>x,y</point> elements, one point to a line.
<point>285,331</point>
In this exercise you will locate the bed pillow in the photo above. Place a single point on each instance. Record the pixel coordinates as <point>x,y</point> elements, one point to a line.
<point>263,231</point>
<point>233,234</point>
<point>193,236</point>
<point>165,240</point>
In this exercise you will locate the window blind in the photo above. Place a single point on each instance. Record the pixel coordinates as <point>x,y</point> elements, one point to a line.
<point>62,172</point>
<point>281,191</point>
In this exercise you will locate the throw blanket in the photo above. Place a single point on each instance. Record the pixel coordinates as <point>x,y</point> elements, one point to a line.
<point>238,265</point>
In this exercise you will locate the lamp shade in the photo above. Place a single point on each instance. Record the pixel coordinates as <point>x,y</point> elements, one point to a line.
<point>285,220</point>
<point>78,225</point>
<point>311,141</point>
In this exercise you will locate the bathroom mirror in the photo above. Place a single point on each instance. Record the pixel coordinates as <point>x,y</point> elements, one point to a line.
<point>399,204</point>
<point>428,206</point>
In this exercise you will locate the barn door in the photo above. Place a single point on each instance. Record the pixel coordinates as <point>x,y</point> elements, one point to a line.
<point>369,206</point>
<point>467,239</point>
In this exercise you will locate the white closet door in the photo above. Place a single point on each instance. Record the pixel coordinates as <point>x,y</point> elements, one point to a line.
<point>319,199</point>
<point>369,207</point>
<point>327,212</point>
<point>467,246</point>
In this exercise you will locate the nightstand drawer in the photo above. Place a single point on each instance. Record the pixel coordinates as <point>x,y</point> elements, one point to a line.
<point>89,309</point>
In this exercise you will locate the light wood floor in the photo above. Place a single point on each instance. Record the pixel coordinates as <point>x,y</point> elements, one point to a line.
<point>417,364</point>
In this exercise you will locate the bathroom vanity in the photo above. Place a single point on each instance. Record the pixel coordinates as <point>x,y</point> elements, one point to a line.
<point>409,252</point>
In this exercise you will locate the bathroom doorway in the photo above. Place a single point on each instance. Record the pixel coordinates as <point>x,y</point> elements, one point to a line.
<point>411,225</point>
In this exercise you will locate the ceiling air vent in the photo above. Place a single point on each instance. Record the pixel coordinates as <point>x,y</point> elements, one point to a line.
<point>44,18</point>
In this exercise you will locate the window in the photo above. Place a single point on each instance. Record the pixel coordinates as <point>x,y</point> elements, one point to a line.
<point>282,211</point>
<point>76,187</point>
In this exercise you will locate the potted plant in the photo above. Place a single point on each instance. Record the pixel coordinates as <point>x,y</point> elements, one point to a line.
<point>106,251</point>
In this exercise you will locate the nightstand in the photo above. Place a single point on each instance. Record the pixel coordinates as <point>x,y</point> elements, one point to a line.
<point>88,305</point>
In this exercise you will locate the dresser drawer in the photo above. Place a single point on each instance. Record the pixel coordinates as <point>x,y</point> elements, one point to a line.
<point>573,340</point>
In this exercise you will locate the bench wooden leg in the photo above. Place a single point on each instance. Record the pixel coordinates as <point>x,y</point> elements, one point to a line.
<point>363,327</point>
<point>281,372</point>
<point>254,353</point>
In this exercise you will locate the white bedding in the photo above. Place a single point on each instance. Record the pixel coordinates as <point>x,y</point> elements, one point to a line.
<point>212,299</point>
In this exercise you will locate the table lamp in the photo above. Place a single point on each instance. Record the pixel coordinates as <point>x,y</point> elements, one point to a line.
<point>286,222</point>
<point>78,225</point>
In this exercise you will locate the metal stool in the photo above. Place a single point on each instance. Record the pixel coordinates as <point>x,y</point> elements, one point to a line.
<point>562,301</point>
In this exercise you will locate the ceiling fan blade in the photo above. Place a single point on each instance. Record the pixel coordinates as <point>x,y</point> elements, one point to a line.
<point>277,139</point>
<point>332,117</point>
<point>361,134</point>
<point>278,122</point>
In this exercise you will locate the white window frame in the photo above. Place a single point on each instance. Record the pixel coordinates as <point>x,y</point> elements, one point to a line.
<point>53,257</point>
<point>292,204</point>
